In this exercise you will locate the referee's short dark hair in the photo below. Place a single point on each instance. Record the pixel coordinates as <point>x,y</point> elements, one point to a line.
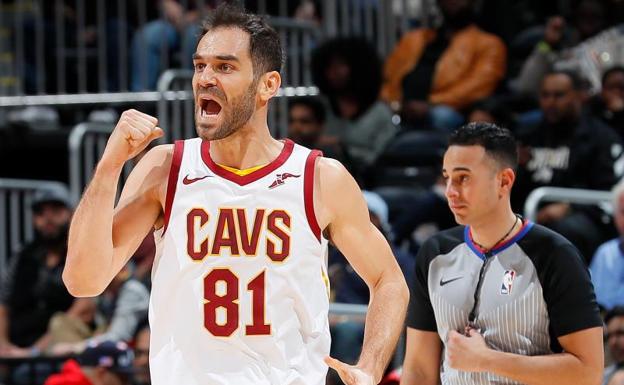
<point>498,142</point>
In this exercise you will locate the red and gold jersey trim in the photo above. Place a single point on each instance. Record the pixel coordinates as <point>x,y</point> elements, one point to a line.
<point>243,180</point>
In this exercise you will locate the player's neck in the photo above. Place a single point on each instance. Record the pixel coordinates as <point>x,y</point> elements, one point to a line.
<point>247,148</point>
<point>490,231</point>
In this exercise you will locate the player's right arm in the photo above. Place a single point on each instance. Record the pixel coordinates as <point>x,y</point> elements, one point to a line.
<point>421,365</point>
<point>102,238</point>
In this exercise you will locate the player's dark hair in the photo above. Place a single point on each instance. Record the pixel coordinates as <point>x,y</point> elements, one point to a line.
<point>311,102</point>
<point>610,72</point>
<point>498,142</point>
<point>265,47</point>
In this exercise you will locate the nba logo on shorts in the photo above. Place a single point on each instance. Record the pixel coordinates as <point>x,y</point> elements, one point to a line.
<point>507,284</point>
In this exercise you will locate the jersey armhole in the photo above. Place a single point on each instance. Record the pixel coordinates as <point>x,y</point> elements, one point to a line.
<point>308,192</point>
<point>172,182</point>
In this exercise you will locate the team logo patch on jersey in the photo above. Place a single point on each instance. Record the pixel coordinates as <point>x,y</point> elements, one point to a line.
<point>507,284</point>
<point>280,179</point>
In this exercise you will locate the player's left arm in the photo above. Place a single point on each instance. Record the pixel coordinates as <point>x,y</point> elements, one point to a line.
<point>343,213</point>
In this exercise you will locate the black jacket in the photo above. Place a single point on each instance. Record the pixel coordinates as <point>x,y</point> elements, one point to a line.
<point>580,156</point>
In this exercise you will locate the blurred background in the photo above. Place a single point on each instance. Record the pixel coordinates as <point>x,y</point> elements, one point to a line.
<point>376,84</point>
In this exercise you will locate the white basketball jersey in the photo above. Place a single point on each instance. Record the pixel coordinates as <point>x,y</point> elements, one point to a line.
<point>240,292</point>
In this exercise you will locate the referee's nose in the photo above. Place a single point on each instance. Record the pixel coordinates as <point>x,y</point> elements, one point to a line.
<point>450,190</point>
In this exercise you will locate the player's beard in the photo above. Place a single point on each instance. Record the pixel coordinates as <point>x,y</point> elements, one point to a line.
<point>235,116</point>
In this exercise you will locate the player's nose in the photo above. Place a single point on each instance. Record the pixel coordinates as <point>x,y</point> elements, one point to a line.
<point>206,78</point>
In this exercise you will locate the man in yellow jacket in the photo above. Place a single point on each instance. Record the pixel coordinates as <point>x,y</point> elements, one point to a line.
<point>433,74</point>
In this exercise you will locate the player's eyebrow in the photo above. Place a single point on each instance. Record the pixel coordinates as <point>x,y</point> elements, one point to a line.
<point>459,169</point>
<point>197,56</point>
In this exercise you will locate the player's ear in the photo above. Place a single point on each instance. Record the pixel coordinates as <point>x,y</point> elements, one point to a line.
<point>269,85</point>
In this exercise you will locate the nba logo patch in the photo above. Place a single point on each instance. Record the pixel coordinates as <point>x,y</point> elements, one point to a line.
<point>507,284</point>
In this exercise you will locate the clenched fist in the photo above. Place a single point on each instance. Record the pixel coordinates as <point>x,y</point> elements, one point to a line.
<point>134,131</point>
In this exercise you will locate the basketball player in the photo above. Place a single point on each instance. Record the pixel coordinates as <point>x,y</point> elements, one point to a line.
<point>240,292</point>
<point>510,301</point>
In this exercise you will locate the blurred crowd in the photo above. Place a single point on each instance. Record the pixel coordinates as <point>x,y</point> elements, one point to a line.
<point>554,77</point>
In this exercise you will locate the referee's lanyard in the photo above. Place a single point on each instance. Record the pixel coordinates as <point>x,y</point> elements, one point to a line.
<point>472,316</point>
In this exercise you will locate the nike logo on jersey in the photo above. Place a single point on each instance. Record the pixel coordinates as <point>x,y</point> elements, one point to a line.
<point>443,282</point>
<point>188,180</point>
<point>281,178</point>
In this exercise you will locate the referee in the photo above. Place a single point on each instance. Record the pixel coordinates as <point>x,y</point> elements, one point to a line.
<point>511,302</point>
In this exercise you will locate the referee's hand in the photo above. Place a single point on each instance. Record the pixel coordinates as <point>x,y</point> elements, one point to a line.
<point>466,352</point>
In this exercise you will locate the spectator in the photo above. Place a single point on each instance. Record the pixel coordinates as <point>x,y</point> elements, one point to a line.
<point>590,17</point>
<point>306,126</point>
<point>107,363</point>
<point>614,321</point>
<point>176,30</point>
<point>348,74</point>
<point>492,110</point>
<point>567,149</point>
<point>609,104</point>
<point>141,357</point>
<point>433,74</point>
<point>33,290</point>
<point>122,307</point>
<point>309,11</point>
<point>607,266</point>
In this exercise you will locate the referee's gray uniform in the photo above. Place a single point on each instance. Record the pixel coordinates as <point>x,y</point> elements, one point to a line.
<point>534,289</point>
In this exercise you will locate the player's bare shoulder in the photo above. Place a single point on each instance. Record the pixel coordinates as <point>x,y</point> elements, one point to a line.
<point>333,187</point>
<point>331,171</point>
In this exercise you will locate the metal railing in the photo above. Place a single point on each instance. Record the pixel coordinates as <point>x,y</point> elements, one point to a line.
<point>560,194</point>
<point>91,47</point>
<point>176,116</point>
<point>55,47</point>
<point>16,225</point>
<point>382,22</point>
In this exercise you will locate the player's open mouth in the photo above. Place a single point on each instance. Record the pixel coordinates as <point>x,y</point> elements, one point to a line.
<point>209,107</point>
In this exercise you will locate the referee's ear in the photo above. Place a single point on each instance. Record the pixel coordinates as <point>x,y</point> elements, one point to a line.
<point>507,177</point>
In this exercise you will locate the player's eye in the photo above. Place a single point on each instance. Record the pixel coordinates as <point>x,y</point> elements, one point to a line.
<point>199,66</point>
<point>225,67</point>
